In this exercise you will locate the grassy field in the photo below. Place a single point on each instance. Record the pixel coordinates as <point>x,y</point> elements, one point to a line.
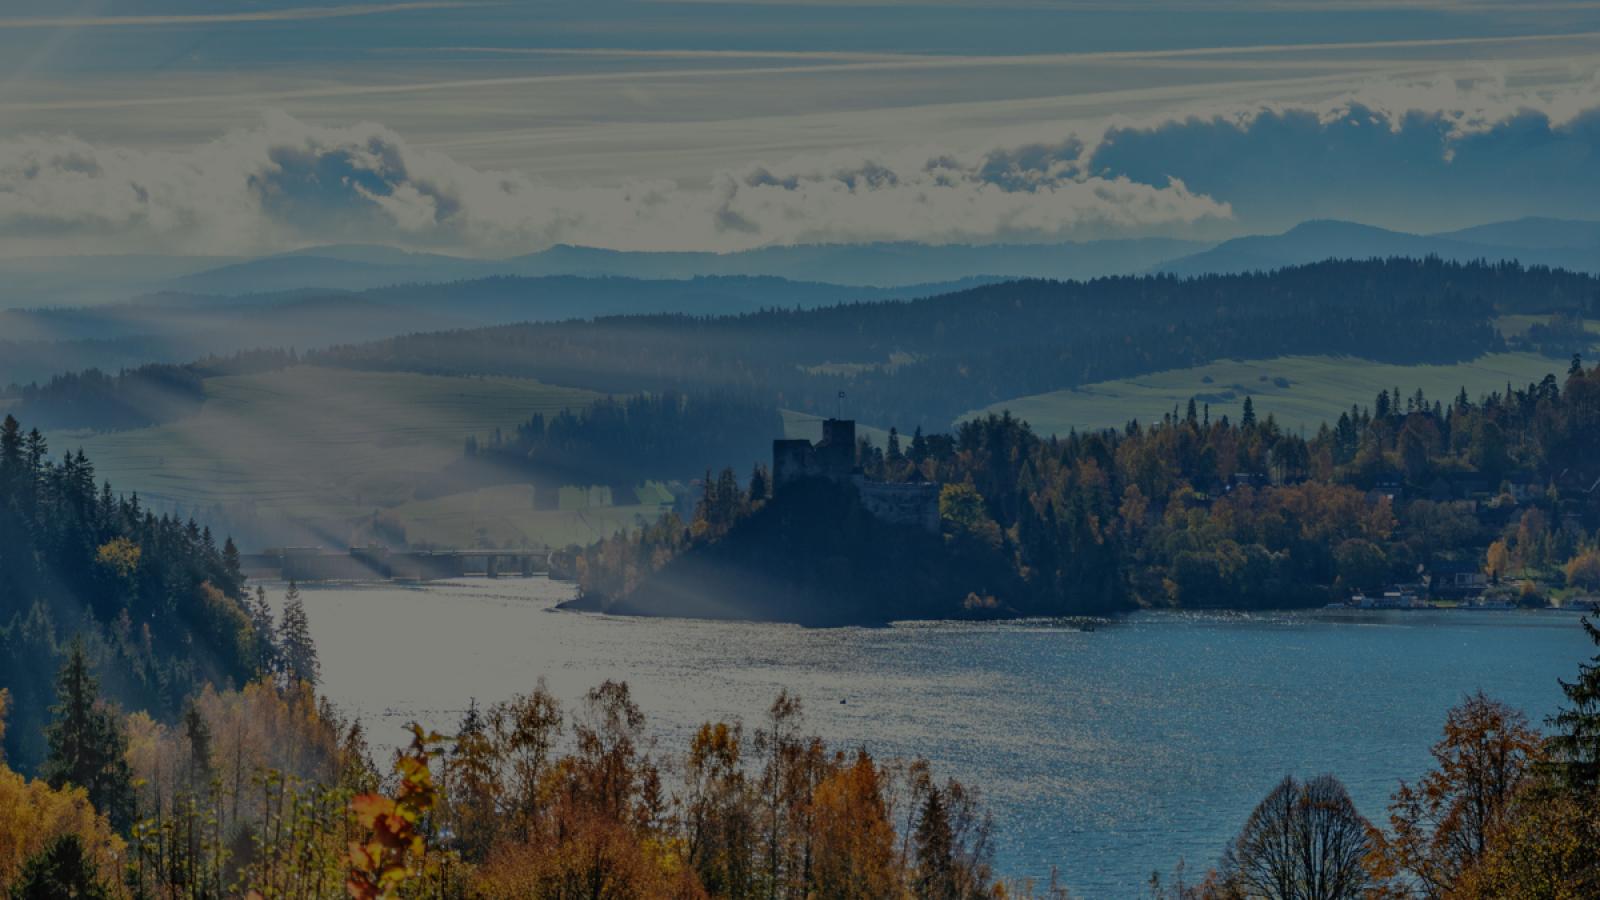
<point>316,444</point>
<point>1300,391</point>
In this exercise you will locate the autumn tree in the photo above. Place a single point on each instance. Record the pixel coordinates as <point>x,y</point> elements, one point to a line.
<point>1304,841</point>
<point>854,844</point>
<point>718,810</point>
<point>524,730</point>
<point>1442,825</point>
<point>1583,570</point>
<point>472,787</point>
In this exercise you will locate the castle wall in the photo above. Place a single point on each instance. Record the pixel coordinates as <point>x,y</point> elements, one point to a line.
<point>914,504</point>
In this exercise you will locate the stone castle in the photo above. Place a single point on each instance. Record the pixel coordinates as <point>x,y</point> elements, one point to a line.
<point>914,503</point>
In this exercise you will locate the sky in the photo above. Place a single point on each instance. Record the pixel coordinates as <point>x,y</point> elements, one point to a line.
<point>498,128</point>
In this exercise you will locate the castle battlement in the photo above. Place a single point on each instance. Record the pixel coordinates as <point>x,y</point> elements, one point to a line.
<point>834,458</point>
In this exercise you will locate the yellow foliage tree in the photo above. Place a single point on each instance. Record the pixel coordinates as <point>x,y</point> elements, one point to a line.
<point>119,556</point>
<point>854,843</point>
<point>1583,570</point>
<point>32,816</point>
<point>1497,562</point>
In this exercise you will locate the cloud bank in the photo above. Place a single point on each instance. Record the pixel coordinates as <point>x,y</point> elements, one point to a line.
<point>1413,156</point>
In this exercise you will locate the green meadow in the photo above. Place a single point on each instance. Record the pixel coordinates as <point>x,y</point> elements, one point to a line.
<point>1301,392</point>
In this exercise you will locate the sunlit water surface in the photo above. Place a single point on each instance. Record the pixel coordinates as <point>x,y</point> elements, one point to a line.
<point>1107,753</point>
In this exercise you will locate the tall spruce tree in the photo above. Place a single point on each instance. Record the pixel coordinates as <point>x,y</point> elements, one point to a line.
<point>61,871</point>
<point>1577,739</point>
<point>299,654</point>
<point>935,848</point>
<point>87,747</point>
<point>268,659</point>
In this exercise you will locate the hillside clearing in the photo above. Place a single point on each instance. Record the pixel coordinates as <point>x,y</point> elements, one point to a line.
<point>1301,392</point>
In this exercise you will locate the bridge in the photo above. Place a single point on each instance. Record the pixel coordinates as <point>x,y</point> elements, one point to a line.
<point>381,564</point>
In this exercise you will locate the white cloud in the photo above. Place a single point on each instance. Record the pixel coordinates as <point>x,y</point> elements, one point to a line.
<point>285,183</point>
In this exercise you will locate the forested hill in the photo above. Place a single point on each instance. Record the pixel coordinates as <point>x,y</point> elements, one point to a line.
<point>158,602</point>
<point>929,361</point>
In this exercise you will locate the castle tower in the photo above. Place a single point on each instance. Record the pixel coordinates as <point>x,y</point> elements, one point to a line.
<point>837,453</point>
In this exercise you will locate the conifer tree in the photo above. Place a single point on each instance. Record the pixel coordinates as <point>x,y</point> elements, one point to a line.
<point>230,559</point>
<point>198,734</point>
<point>298,655</point>
<point>1577,739</point>
<point>87,747</point>
<point>1248,419</point>
<point>268,660</point>
<point>62,871</point>
<point>935,844</point>
<point>919,446</point>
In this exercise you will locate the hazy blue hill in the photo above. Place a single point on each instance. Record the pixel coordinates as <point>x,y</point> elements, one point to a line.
<point>879,264</point>
<point>1533,232</point>
<point>1329,239</point>
<point>177,326</point>
<point>35,281</point>
<point>282,273</point>
<point>361,267</point>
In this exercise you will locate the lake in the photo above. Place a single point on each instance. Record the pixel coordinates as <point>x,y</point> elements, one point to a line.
<point>1107,753</point>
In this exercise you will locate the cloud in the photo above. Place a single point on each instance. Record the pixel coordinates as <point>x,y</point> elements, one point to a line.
<point>286,183</point>
<point>292,14</point>
<point>1423,156</point>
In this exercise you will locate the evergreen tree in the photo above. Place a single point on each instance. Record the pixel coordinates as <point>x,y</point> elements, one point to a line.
<point>760,484</point>
<point>1249,418</point>
<point>230,560</point>
<point>919,446</point>
<point>11,460</point>
<point>935,846</point>
<point>1577,739</point>
<point>298,653</point>
<point>268,659</point>
<point>893,452</point>
<point>198,734</point>
<point>87,747</point>
<point>62,871</point>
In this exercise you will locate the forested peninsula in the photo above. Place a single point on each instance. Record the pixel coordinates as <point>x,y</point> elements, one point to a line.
<point>1190,512</point>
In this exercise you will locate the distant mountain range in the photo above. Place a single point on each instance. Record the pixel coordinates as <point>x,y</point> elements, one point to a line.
<point>76,281</point>
<point>1573,245</point>
<point>70,313</point>
<point>863,265</point>
<point>179,327</point>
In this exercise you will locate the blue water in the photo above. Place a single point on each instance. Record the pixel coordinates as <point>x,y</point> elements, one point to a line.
<point>1107,753</point>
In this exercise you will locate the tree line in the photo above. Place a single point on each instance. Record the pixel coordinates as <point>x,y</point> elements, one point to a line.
<point>158,602</point>
<point>269,791</point>
<point>132,398</point>
<point>617,442</point>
